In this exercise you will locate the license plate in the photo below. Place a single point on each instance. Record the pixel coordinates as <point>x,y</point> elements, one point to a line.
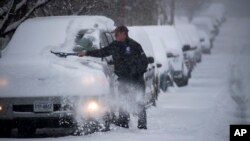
<point>43,106</point>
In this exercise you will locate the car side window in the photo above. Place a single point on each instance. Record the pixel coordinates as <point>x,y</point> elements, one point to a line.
<point>104,40</point>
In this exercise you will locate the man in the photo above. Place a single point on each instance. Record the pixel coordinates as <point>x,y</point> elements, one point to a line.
<point>130,63</point>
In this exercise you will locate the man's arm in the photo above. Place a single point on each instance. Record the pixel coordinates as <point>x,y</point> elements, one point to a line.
<point>103,52</point>
<point>142,60</point>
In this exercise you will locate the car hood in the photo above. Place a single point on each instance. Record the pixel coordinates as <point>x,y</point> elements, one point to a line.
<point>51,78</point>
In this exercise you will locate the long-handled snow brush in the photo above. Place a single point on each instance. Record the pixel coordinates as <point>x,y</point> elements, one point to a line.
<point>63,54</point>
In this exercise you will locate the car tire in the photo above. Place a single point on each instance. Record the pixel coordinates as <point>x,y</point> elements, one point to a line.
<point>206,51</point>
<point>189,73</point>
<point>199,59</point>
<point>92,126</point>
<point>181,82</point>
<point>106,123</point>
<point>164,83</point>
<point>26,131</point>
<point>5,132</point>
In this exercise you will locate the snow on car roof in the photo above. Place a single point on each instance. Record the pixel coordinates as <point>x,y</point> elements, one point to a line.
<point>141,37</point>
<point>160,51</point>
<point>190,31</point>
<point>42,34</point>
<point>203,20</point>
<point>169,37</point>
<point>29,69</point>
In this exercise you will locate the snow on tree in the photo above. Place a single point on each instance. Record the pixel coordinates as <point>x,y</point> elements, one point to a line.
<point>12,14</point>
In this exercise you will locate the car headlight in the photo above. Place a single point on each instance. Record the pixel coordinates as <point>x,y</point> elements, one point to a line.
<point>1,108</point>
<point>92,107</point>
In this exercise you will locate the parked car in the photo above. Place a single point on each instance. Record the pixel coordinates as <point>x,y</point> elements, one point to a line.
<point>207,25</point>
<point>205,42</point>
<point>40,90</point>
<point>163,75</point>
<point>189,55</point>
<point>177,67</point>
<point>192,36</point>
<point>141,37</point>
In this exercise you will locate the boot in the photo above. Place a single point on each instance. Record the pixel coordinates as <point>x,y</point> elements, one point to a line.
<point>142,121</point>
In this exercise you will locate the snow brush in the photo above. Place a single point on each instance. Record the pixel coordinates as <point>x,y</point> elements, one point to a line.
<point>63,54</point>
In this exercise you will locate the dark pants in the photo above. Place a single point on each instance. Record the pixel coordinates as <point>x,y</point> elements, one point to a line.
<point>132,91</point>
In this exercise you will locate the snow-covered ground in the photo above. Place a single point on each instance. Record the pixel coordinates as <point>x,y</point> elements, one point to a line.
<point>216,97</point>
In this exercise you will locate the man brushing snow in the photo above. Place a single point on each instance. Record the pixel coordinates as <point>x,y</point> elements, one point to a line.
<point>130,63</point>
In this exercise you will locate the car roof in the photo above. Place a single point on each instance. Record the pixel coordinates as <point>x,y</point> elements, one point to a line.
<point>169,36</point>
<point>36,35</point>
<point>140,36</point>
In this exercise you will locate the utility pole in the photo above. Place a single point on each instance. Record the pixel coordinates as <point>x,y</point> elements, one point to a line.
<point>172,12</point>
<point>122,12</point>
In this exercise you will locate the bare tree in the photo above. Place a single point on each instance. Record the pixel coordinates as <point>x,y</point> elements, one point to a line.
<point>9,22</point>
<point>172,12</point>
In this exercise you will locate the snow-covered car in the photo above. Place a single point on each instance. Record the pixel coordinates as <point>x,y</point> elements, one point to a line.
<point>206,24</point>
<point>140,36</point>
<point>189,55</point>
<point>163,76</point>
<point>191,32</point>
<point>41,90</point>
<point>171,41</point>
<point>205,42</point>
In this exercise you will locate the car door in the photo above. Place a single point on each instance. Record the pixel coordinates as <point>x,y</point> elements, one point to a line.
<point>106,39</point>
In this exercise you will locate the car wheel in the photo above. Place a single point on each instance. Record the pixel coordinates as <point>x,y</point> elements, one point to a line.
<point>199,59</point>
<point>105,126</point>
<point>189,73</point>
<point>206,51</point>
<point>164,83</point>
<point>5,132</point>
<point>92,126</point>
<point>26,131</point>
<point>181,82</point>
<point>87,128</point>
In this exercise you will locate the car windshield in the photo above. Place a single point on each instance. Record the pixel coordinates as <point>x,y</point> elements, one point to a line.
<point>85,40</point>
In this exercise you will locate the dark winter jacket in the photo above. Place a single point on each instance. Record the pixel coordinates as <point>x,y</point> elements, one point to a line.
<point>129,59</point>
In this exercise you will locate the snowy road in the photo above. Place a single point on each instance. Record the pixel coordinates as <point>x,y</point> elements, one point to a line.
<point>215,97</point>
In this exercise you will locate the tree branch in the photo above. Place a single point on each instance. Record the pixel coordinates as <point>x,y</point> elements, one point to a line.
<point>4,9</point>
<point>2,24</point>
<point>14,25</point>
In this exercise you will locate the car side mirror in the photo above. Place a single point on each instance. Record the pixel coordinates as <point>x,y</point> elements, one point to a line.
<point>158,65</point>
<point>186,48</point>
<point>202,40</point>
<point>170,55</point>
<point>151,60</point>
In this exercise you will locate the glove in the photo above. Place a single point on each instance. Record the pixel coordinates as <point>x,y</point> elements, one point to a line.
<point>81,53</point>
